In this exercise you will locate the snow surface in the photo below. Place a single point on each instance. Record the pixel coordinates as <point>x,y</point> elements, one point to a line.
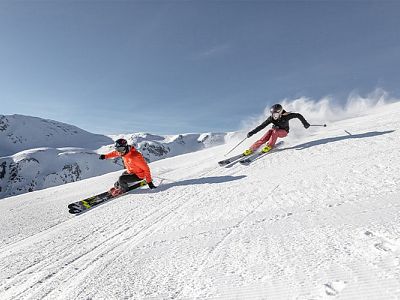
<point>317,219</point>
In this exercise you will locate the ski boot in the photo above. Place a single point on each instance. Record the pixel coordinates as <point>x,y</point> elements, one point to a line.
<point>247,152</point>
<point>116,191</point>
<point>266,149</point>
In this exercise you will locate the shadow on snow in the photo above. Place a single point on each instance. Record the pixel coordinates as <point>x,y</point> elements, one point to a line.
<point>336,139</point>
<point>195,181</point>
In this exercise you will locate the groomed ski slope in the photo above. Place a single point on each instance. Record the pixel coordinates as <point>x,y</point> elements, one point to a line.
<point>319,219</point>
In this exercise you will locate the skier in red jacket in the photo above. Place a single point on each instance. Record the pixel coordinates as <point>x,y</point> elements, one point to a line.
<point>136,167</point>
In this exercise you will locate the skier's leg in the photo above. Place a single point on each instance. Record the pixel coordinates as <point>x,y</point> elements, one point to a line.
<point>274,136</point>
<point>281,133</point>
<point>261,141</point>
<point>125,179</point>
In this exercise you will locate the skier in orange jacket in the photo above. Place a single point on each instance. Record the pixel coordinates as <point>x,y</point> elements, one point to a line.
<point>136,167</point>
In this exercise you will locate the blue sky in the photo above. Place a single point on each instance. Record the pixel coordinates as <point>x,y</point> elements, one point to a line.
<point>169,67</point>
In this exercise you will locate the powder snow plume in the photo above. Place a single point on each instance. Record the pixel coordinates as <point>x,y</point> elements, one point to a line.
<point>322,111</point>
<point>326,110</point>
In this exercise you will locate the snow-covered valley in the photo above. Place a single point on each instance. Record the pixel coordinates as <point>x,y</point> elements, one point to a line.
<point>318,218</point>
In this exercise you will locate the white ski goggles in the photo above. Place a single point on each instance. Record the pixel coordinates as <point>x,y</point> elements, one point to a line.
<point>121,149</point>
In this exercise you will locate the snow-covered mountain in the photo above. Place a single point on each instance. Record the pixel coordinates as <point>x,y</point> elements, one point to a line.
<point>38,153</point>
<point>155,147</point>
<point>40,168</point>
<point>318,219</point>
<point>19,133</point>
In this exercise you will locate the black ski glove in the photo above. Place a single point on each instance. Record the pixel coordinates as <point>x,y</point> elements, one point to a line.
<point>102,157</point>
<point>306,125</point>
<point>151,185</point>
<point>250,134</point>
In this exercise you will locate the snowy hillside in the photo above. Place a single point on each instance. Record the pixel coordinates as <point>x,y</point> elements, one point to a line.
<point>317,219</point>
<point>40,153</point>
<point>18,133</point>
<point>41,168</point>
<point>36,153</point>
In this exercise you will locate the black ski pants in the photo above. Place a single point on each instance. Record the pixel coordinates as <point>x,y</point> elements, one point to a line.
<point>125,179</point>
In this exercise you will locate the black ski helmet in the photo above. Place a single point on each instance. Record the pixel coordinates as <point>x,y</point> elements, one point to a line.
<point>276,111</point>
<point>121,145</point>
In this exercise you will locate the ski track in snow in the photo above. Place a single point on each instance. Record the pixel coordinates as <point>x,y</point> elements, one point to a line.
<point>78,266</point>
<point>318,220</point>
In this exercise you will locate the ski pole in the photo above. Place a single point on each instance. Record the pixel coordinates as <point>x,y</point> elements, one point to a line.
<point>321,125</point>
<point>235,146</point>
<point>348,132</point>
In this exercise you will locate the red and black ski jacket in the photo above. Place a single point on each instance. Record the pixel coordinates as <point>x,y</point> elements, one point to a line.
<point>282,122</point>
<point>134,163</point>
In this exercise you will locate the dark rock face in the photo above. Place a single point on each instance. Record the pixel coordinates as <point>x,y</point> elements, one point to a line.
<point>155,149</point>
<point>3,123</point>
<point>3,169</point>
<point>71,173</point>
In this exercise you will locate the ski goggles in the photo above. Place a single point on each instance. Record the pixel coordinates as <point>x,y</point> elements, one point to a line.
<point>121,149</point>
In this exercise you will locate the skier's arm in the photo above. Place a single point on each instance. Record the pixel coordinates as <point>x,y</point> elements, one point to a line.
<point>141,163</point>
<point>112,154</point>
<point>260,127</point>
<point>301,118</point>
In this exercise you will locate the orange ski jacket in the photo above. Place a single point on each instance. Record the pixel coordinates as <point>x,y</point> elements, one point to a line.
<point>134,163</point>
